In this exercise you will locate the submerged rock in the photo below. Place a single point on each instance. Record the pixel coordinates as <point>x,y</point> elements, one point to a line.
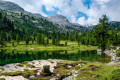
<point>117,59</point>
<point>111,63</point>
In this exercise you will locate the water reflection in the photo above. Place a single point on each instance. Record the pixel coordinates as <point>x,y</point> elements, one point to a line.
<point>14,56</point>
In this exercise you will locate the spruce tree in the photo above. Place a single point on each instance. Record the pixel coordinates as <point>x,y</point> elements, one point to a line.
<point>76,36</point>
<point>13,44</point>
<point>43,40</point>
<point>39,38</point>
<point>0,15</point>
<point>27,40</point>
<point>17,38</point>
<point>53,41</point>
<point>66,43</point>
<point>101,33</point>
<point>47,41</point>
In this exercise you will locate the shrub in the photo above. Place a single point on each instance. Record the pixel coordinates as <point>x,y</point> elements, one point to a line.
<point>12,73</point>
<point>28,73</point>
<point>115,75</point>
<point>118,54</point>
<point>2,78</point>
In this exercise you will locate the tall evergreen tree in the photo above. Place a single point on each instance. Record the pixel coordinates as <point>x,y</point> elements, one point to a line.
<point>53,41</point>
<point>17,38</point>
<point>39,38</point>
<point>76,36</point>
<point>0,15</point>
<point>47,41</point>
<point>101,32</point>
<point>27,40</point>
<point>43,40</point>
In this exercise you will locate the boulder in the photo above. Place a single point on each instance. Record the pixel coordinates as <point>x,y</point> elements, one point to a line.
<point>117,59</point>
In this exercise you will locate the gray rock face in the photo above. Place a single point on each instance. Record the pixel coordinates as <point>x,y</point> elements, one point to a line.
<point>6,5</point>
<point>38,15</point>
<point>65,25</point>
<point>35,14</point>
<point>59,19</point>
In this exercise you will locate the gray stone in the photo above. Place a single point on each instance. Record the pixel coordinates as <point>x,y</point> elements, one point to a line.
<point>32,77</point>
<point>115,59</point>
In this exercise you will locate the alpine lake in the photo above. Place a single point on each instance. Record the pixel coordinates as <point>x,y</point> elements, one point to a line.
<point>15,56</point>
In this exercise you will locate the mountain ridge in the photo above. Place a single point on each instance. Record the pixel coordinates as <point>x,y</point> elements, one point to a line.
<point>60,21</point>
<point>6,5</point>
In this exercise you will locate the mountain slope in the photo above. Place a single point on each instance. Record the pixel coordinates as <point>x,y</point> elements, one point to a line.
<point>115,25</point>
<point>5,5</point>
<point>65,24</point>
<point>57,22</point>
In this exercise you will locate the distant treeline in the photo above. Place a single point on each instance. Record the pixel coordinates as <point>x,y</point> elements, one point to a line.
<point>10,33</point>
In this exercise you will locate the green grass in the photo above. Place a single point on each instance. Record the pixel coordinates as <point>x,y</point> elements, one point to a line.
<point>90,70</point>
<point>2,78</point>
<point>27,73</point>
<point>86,71</point>
<point>100,72</point>
<point>35,46</point>
<point>2,69</point>
<point>25,64</point>
<point>118,53</point>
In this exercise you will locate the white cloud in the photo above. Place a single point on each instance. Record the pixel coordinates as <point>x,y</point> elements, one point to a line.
<point>73,18</point>
<point>98,7</point>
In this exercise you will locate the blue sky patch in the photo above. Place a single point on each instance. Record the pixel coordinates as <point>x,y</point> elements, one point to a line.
<point>49,13</point>
<point>87,3</point>
<point>70,3</point>
<point>80,14</point>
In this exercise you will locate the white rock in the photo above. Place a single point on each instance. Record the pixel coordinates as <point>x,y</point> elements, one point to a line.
<point>13,77</point>
<point>32,77</point>
<point>38,73</point>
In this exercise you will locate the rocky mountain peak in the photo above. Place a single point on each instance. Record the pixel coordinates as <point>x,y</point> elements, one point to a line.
<point>59,19</point>
<point>6,5</point>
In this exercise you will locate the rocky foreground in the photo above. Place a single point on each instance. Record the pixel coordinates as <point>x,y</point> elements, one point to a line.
<point>34,70</point>
<point>57,70</point>
<point>32,65</point>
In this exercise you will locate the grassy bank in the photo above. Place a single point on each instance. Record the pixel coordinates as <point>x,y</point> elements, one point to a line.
<point>93,70</point>
<point>85,71</point>
<point>35,46</point>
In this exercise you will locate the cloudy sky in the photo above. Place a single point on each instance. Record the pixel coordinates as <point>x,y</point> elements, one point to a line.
<point>84,12</point>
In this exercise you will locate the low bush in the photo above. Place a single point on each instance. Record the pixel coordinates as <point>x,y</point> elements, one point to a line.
<point>115,75</point>
<point>118,54</point>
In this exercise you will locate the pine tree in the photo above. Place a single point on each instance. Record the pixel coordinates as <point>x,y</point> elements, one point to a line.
<point>13,44</point>
<point>76,36</point>
<point>0,15</point>
<point>39,38</point>
<point>32,40</point>
<point>53,41</point>
<point>1,41</point>
<point>47,41</point>
<point>43,40</point>
<point>27,40</point>
<point>9,36</point>
<point>101,32</point>
<point>78,40</point>
<point>66,43</point>
<point>17,38</point>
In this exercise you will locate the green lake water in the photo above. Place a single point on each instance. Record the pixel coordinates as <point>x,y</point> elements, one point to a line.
<point>7,57</point>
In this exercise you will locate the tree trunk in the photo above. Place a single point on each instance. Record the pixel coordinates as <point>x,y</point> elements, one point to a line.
<point>46,69</point>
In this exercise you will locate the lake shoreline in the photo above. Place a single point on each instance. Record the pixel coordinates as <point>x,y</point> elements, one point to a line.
<point>70,69</point>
